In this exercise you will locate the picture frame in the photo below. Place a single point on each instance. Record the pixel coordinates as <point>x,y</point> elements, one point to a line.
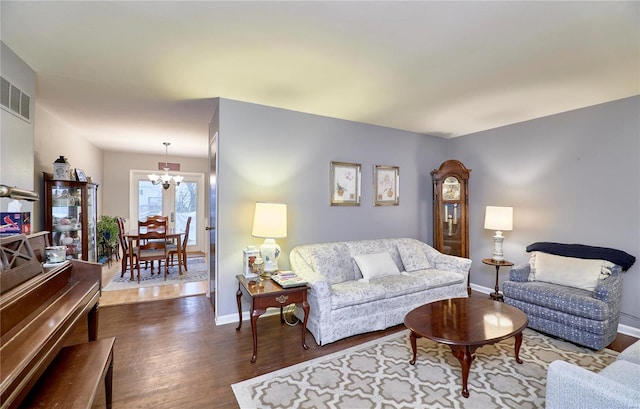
<point>344,184</point>
<point>80,176</point>
<point>386,185</point>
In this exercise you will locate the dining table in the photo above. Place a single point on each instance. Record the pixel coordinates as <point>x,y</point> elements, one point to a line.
<point>172,234</point>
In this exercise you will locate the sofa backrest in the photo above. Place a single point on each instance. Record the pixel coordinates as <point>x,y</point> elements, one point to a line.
<point>335,260</point>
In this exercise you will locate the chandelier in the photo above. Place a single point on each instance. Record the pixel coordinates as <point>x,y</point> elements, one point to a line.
<point>166,179</point>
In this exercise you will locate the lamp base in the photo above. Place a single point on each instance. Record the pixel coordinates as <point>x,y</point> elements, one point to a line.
<point>498,254</point>
<point>269,251</point>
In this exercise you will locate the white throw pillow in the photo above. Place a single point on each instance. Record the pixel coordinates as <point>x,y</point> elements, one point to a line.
<point>568,271</point>
<point>413,256</point>
<point>376,265</point>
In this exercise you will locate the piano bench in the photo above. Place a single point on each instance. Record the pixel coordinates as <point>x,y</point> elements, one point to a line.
<point>73,378</point>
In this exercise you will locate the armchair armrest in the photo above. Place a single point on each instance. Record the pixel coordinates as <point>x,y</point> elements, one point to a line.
<point>520,273</point>
<point>610,289</point>
<point>570,386</point>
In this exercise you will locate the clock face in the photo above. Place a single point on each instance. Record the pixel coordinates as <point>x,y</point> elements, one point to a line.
<point>451,189</point>
<point>60,172</point>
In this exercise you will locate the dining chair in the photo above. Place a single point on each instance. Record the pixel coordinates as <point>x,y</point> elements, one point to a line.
<point>160,218</point>
<point>152,245</point>
<point>173,248</point>
<point>124,245</point>
<point>157,218</point>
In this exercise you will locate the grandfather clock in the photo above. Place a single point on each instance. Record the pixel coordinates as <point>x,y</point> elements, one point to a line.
<point>451,208</point>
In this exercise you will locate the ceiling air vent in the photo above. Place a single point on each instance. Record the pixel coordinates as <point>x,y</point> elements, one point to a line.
<point>14,100</point>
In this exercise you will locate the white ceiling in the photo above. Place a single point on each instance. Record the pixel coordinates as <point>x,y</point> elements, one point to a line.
<point>130,75</point>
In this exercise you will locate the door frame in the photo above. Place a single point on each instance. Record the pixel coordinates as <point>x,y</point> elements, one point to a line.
<point>201,240</point>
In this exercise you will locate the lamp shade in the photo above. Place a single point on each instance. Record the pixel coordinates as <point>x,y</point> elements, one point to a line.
<point>270,220</point>
<point>498,218</point>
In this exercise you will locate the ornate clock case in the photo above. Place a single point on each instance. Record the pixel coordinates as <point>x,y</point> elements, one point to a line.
<point>451,208</point>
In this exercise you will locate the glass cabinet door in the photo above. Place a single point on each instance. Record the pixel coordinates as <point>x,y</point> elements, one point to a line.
<point>66,225</point>
<point>70,216</point>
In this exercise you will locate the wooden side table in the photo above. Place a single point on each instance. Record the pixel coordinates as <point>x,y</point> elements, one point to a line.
<point>269,295</point>
<point>488,261</point>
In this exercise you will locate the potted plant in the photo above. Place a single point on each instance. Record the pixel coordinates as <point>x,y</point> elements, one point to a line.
<point>107,236</point>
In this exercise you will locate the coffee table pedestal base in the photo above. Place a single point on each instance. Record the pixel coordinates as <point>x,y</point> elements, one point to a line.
<point>465,355</point>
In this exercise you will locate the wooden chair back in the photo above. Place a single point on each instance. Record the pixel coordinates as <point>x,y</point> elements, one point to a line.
<point>157,218</point>
<point>124,245</point>
<point>152,243</point>
<point>174,249</point>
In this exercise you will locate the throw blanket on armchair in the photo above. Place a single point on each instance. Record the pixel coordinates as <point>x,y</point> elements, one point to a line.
<point>619,257</point>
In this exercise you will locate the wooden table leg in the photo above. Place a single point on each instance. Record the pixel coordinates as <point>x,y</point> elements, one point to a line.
<point>414,347</point>
<point>131,256</point>
<point>255,314</point>
<point>465,357</point>
<point>239,298</point>
<point>180,255</point>
<point>305,308</point>
<point>518,343</point>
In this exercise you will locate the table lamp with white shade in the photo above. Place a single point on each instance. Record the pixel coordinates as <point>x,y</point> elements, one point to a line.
<point>500,219</point>
<point>270,222</point>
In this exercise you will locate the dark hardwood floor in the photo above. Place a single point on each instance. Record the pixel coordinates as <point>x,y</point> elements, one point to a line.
<point>170,354</point>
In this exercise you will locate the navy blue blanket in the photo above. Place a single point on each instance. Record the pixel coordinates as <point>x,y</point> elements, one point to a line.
<point>619,257</point>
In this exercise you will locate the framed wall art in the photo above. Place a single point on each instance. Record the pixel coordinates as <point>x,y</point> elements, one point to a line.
<point>344,184</point>
<point>386,185</point>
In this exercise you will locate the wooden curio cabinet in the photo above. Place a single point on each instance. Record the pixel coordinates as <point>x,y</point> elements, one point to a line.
<point>70,216</point>
<point>451,208</point>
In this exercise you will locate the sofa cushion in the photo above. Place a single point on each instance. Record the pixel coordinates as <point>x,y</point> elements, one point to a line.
<point>351,293</point>
<point>372,247</point>
<point>568,271</point>
<point>376,265</point>
<point>434,278</point>
<point>413,256</point>
<point>333,261</point>
<point>399,285</point>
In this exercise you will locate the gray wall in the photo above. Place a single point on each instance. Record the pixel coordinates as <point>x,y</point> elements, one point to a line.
<point>117,165</point>
<point>572,178</point>
<point>17,135</point>
<point>270,154</point>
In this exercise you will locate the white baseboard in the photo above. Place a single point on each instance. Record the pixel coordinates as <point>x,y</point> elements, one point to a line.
<point>622,329</point>
<point>233,318</point>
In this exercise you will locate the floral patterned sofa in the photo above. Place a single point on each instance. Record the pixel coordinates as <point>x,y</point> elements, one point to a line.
<point>369,285</point>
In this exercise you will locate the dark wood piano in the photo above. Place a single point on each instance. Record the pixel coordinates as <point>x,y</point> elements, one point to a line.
<point>39,309</point>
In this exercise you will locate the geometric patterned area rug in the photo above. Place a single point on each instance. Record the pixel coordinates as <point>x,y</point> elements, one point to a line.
<point>198,271</point>
<point>377,374</point>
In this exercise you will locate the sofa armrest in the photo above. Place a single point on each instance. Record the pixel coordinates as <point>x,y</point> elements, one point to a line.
<point>570,386</point>
<point>520,273</point>
<point>610,289</point>
<point>317,282</point>
<point>448,262</point>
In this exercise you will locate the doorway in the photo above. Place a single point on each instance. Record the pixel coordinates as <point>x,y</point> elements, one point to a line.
<point>177,203</point>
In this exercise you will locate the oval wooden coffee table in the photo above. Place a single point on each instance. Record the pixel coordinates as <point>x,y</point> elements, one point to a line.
<point>466,324</point>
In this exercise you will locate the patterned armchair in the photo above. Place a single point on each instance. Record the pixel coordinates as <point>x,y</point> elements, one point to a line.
<point>586,316</point>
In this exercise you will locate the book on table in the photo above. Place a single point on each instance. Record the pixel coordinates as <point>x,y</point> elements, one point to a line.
<point>288,279</point>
